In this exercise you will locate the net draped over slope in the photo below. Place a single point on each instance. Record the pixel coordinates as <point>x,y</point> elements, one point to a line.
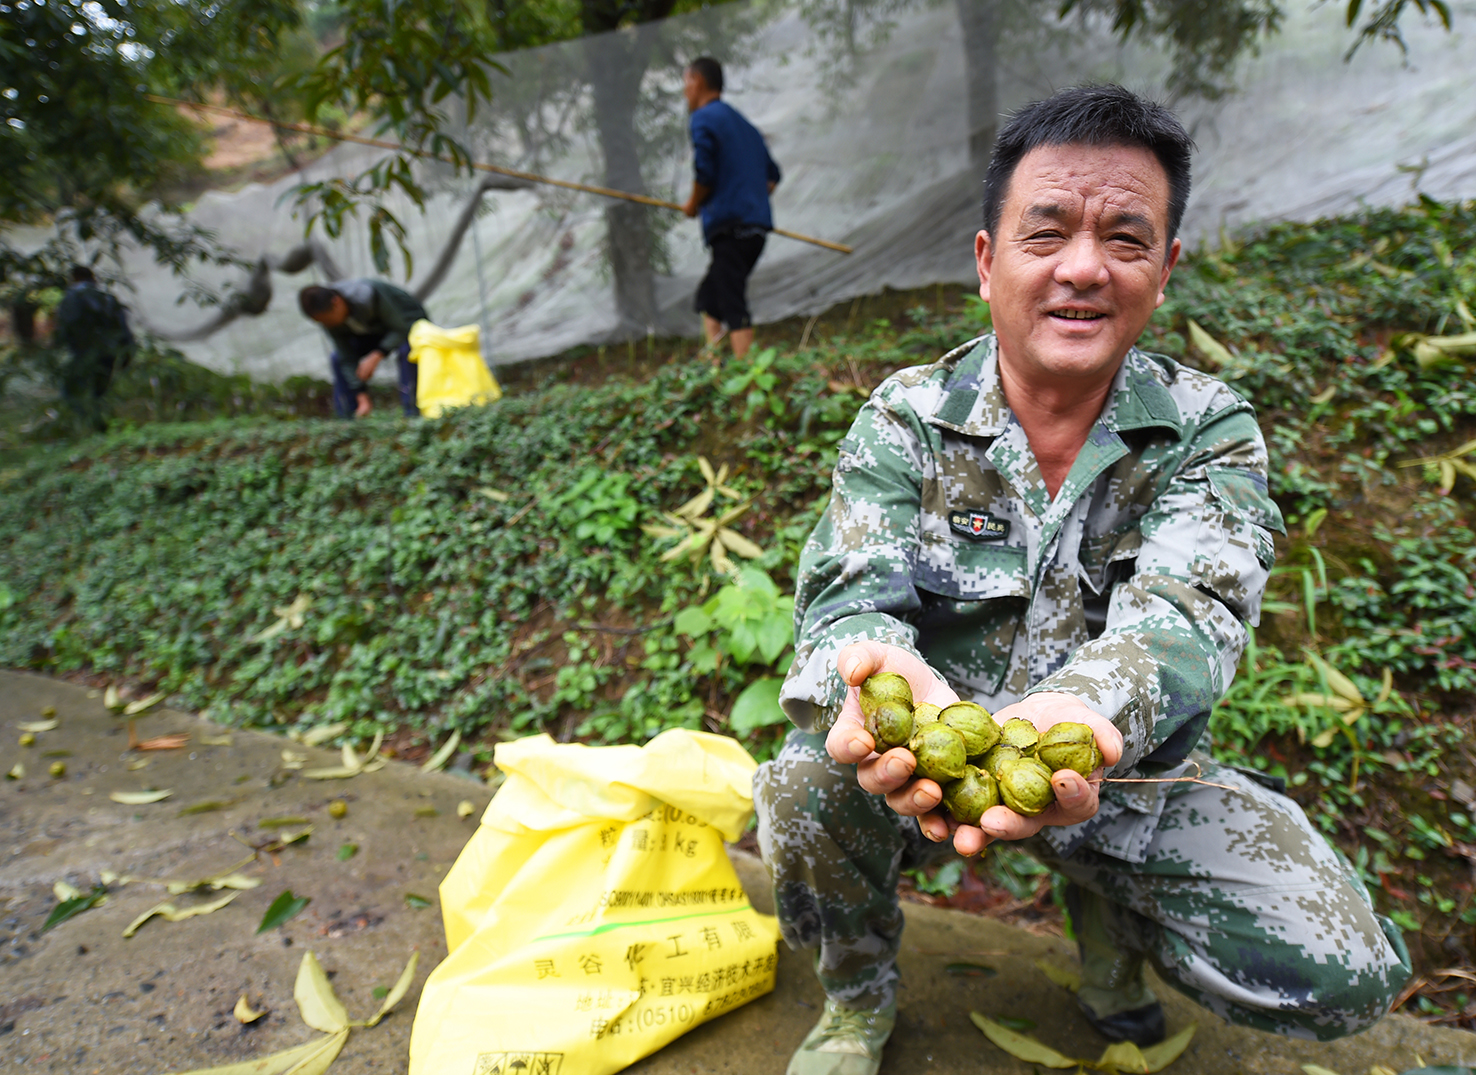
<point>870,123</point>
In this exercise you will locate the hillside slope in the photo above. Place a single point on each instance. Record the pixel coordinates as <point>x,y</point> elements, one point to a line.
<point>489,572</point>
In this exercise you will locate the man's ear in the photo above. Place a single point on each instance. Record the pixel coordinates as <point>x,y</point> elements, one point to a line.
<point>1175,249</point>
<point>984,257</point>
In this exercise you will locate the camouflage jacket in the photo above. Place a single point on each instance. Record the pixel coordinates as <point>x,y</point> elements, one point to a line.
<point>1130,590</point>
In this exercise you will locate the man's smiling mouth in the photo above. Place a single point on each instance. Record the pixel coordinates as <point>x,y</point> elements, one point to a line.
<point>1078,315</point>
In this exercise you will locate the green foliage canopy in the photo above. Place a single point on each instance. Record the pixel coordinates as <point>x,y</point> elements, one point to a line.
<point>83,145</point>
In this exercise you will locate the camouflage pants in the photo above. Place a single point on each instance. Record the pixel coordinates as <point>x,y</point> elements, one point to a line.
<point>1240,903</point>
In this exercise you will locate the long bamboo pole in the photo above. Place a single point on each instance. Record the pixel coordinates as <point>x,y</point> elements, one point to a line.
<point>532,177</point>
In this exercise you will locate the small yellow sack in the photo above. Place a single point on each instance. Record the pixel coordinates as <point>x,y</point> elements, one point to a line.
<point>594,915</point>
<point>452,373</point>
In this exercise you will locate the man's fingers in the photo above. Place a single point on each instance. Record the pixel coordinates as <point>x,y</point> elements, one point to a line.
<point>1076,801</point>
<point>934,827</point>
<point>1109,739</point>
<point>969,840</point>
<point>847,741</point>
<point>916,798</point>
<point>1002,823</point>
<point>861,660</point>
<point>887,773</point>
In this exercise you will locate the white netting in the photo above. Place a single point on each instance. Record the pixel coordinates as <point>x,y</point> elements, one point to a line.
<point>869,120</point>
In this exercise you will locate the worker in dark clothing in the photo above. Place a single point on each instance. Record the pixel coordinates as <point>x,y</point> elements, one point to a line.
<point>93,326</point>
<point>734,177</point>
<point>368,320</point>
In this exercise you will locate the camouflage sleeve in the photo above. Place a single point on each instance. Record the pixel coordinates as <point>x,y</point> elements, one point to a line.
<point>1176,628</point>
<point>855,572</point>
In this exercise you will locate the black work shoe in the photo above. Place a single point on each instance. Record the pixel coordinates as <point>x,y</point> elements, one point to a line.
<point>1141,1026</point>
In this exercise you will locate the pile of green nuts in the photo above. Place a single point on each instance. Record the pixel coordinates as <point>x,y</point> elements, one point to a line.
<point>977,762</point>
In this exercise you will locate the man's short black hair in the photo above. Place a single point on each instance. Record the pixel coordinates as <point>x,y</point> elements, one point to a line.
<point>1091,116</point>
<point>710,70</point>
<point>81,274</point>
<point>316,299</point>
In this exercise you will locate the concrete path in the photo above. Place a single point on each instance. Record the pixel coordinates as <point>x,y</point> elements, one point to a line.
<point>81,999</point>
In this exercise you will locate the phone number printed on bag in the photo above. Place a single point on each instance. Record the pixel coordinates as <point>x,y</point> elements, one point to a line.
<point>648,1018</point>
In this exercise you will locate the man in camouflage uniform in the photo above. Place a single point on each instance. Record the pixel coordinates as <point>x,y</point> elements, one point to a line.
<point>1060,527</point>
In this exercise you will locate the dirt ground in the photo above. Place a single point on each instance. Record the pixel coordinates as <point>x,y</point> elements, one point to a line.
<point>81,998</point>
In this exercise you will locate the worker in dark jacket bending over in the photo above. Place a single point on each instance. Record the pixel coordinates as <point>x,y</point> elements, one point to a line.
<point>367,320</point>
<point>734,177</point>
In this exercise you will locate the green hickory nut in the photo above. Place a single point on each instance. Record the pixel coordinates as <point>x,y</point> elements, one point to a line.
<point>1025,787</point>
<point>926,713</point>
<point>939,751</point>
<point>1020,734</point>
<point>970,795</point>
<point>886,706</point>
<point>1070,745</point>
<point>974,723</point>
<point>994,760</point>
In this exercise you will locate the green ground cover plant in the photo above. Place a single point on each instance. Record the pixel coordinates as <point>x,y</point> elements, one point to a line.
<point>609,551</point>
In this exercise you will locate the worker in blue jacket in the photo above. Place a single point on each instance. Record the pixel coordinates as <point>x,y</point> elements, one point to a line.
<point>734,177</point>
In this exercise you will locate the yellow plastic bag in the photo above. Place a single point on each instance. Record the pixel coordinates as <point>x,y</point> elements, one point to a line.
<point>594,915</point>
<point>452,373</point>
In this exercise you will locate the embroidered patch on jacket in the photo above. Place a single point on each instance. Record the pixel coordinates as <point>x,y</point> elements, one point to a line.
<point>978,525</point>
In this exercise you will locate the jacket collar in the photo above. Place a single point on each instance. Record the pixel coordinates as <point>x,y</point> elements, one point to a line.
<point>973,401</point>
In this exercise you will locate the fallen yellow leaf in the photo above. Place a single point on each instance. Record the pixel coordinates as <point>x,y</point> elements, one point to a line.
<point>244,1012</point>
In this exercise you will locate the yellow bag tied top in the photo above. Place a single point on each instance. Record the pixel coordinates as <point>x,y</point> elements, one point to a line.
<point>452,373</point>
<point>594,915</point>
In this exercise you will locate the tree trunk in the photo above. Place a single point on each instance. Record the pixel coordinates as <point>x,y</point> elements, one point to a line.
<point>979,20</point>
<point>616,65</point>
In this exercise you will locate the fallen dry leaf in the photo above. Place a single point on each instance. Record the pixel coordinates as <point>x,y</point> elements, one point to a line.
<point>138,798</point>
<point>244,1012</point>
<point>175,914</point>
<point>133,709</point>
<point>172,741</point>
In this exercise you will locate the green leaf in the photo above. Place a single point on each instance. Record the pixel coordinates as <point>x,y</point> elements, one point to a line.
<point>321,1009</point>
<point>774,636</point>
<point>1019,1046</point>
<point>980,970</point>
<point>71,908</point>
<point>284,908</point>
<point>692,622</point>
<point>757,707</point>
<point>1318,1069</point>
<point>1015,1022</point>
<point>418,903</point>
<point>347,851</point>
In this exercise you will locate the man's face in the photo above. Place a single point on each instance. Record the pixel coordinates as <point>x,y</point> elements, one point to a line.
<point>1079,260</point>
<point>694,87</point>
<point>335,315</point>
